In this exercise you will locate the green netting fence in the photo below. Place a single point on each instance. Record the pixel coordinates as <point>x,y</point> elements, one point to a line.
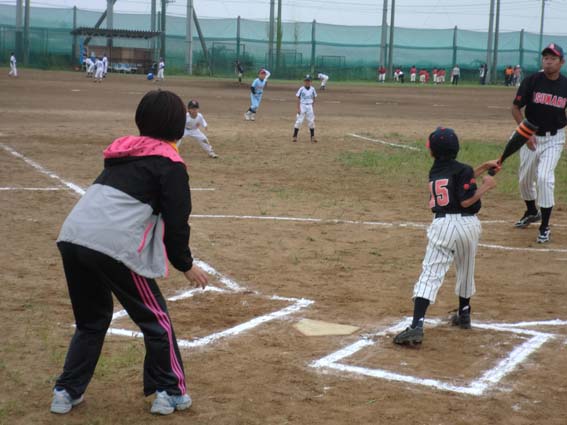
<point>344,52</point>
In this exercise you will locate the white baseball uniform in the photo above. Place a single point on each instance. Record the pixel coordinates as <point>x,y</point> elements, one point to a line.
<point>99,70</point>
<point>451,238</point>
<point>306,99</point>
<point>324,78</point>
<point>536,175</point>
<point>13,69</point>
<point>161,68</point>
<point>105,63</point>
<point>192,129</point>
<point>89,65</point>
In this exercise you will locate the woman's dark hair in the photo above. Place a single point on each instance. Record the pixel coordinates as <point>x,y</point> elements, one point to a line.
<point>161,115</point>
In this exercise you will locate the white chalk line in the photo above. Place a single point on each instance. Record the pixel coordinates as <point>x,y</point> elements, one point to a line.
<point>232,286</point>
<point>33,188</point>
<point>382,142</point>
<point>203,189</point>
<point>299,304</point>
<point>370,223</point>
<point>476,387</point>
<point>75,188</point>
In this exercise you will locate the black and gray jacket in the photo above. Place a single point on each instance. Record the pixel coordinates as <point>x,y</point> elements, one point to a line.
<point>137,210</point>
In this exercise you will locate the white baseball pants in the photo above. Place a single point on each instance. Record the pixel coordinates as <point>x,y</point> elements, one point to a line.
<point>306,111</point>
<point>13,70</point>
<point>99,73</point>
<point>412,77</point>
<point>199,136</point>
<point>536,175</point>
<point>160,74</point>
<point>452,237</point>
<point>382,77</point>
<point>324,82</point>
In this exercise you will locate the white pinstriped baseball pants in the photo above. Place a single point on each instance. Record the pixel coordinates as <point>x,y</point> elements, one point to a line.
<point>451,238</point>
<point>536,175</point>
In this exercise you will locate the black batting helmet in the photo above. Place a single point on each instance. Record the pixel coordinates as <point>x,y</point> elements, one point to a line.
<point>443,143</point>
<point>193,104</point>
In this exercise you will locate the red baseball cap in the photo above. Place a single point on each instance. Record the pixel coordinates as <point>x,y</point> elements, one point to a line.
<point>554,49</point>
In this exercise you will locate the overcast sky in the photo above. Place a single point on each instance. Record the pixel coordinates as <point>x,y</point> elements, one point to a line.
<point>466,14</point>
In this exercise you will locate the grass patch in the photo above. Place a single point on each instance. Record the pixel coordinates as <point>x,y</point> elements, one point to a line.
<point>402,166</point>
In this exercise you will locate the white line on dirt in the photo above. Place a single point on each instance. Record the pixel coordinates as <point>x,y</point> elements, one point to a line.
<point>477,387</point>
<point>382,142</point>
<point>203,189</point>
<point>42,170</point>
<point>33,188</point>
<point>369,223</point>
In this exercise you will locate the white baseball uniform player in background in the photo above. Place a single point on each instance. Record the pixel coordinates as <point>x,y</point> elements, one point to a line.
<point>89,67</point>
<point>99,70</point>
<point>453,234</point>
<point>195,122</point>
<point>105,65</point>
<point>305,100</point>
<point>161,68</point>
<point>13,69</point>
<point>323,78</point>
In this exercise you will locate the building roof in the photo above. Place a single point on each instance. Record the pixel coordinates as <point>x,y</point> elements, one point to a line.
<point>114,33</point>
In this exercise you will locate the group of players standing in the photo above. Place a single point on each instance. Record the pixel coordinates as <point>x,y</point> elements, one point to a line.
<point>437,76</point>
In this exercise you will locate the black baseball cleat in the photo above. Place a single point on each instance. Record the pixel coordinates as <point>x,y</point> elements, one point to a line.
<point>527,219</point>
<point>411,336</point>
<point>544,235</point>
<point>462,320</point>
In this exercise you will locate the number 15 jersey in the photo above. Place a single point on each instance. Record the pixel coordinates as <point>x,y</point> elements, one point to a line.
<point>450,183</point>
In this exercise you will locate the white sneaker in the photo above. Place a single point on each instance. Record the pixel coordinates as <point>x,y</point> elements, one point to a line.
<point>165,404</point>
<point>253,117</point>
<point>62,402</point>
<point>213,155</point>
<point>247,116</point>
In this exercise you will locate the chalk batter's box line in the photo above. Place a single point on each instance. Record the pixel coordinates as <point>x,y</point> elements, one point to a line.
<point>297,304</point>
<point>232,287</point>
<point>476,387</point>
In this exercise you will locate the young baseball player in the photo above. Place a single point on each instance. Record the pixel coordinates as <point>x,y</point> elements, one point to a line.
<point>105,65</point>
<point>455,75</point>
<point>323,78</point>
<point>117,240</point>
<point>239,71</point>
<point>544,96</point>
<point>13,69</point>
<point>89,67</point>
<point>454,233</point>
<point>196,121</point>
<point>413,74</point>
<point>161,69</point>
<point>256,92</point>
<point>305,100</point>
<point>99,70</point>
<point>381,74</point>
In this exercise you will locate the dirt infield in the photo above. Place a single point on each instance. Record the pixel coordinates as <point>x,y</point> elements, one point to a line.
<point>356,258</point>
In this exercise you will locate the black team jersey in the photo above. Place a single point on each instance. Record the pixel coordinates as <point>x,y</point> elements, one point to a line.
<point>450,183</point>
<point>545,101</point>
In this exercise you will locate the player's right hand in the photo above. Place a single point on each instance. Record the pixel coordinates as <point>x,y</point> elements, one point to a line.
<point>531,143</point>
<point>197,276</point>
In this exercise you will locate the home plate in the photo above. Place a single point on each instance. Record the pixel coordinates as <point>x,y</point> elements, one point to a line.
<point>318,328</point>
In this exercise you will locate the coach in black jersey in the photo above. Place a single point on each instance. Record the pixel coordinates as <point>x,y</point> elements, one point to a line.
<point>544,96</point>
<point>454,233</point>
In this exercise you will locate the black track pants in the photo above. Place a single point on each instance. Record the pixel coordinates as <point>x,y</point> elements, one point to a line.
<point>92,278</point>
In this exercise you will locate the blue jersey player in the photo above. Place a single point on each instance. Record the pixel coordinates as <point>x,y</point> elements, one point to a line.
<point>256,92</point>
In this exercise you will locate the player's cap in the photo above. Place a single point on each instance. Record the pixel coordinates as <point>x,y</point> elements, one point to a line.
<point>554,49</point>
<point>307,78</point>
<point>443,143</point>
<point>262,71</point>
<point>193,104</point>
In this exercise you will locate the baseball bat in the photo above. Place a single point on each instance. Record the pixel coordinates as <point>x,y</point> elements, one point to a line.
<point>521,135</point>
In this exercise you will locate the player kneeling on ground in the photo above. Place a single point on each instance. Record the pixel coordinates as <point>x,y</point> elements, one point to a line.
<point>454,233</point>
<point>117,240</point>
<point>305,100</point>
